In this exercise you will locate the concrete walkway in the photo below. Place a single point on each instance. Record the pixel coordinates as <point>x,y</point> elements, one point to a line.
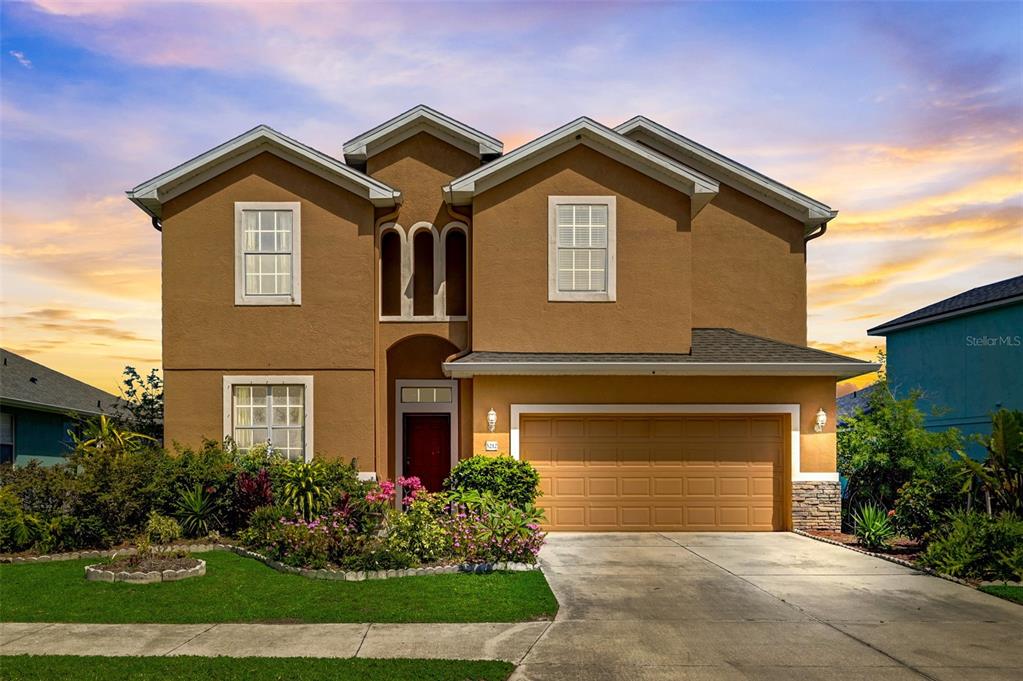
<point>652,607</point>
<point>508,642</point>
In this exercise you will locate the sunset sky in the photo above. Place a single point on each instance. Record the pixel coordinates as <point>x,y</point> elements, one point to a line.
<point>906,117</point>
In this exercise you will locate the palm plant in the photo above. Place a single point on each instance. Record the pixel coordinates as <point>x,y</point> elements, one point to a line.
<point>104,434</point>
<point>196,510</point>
<point>304,488</point>
<point>999,478</point>
<point>873,526</point>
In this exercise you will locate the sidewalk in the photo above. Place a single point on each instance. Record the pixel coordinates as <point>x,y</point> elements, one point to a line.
<point>481,641</point>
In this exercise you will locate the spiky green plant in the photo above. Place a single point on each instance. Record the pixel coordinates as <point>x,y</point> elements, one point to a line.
<point>873,526</point>
<point>305,487</point>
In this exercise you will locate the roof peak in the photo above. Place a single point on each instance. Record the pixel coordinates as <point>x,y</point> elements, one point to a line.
<point>979,297</point>
<point>421,118</point>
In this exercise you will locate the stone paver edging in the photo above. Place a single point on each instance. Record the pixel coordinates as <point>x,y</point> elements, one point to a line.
<point>362,575</point>
<point>96,573</point>
<point>337,575</point>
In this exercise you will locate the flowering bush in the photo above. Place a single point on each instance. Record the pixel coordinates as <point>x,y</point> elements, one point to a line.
<point>419,532</point>
<point>301,543</point>
<point>485,529</point>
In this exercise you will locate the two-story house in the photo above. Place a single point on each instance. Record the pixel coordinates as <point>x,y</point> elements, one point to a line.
<point>623,308</point>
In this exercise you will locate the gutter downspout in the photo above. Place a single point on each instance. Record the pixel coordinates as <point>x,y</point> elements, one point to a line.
<point>817,234</point>
<point>157,225</point>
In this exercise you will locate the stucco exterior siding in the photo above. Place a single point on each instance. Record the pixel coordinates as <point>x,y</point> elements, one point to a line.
<point>749,268</point>
<point>331,329</point>
<point>510,308</point>
<point>817,450</point>
<point>342,414</point>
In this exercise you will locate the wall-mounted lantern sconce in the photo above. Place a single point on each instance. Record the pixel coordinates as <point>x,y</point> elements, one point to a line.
<point>491,420</point>
<point>822,420</point>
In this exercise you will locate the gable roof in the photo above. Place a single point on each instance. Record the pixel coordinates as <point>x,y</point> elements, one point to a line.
<point>25,383</point>
<point>858,401</point>
<point>810,212</point>
<point>993,295</point>
<point>418,119</point>
<point>700,188</point>
<point>152,194</point>
<point>714,352</point>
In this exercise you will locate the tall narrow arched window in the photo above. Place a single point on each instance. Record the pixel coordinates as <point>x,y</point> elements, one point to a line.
<point>390,274</point>
<point>455,274</point>
<point>422,273</point>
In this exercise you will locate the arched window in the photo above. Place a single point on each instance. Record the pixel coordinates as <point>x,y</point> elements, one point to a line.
<point>390,274</point>
<point>422,273</point>
<point>454,273</point>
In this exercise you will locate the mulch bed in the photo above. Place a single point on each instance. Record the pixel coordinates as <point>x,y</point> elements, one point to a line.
<point>153,562</point>
<point>903,548</point>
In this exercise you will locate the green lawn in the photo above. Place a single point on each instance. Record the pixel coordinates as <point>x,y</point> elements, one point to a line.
<point>237,589</point>
<point>249,668</point>
<point>1009,593</point>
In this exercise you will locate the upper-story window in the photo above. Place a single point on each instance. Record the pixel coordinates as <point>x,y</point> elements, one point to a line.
<point>268,263</point>
<point>424,273</point>
<point>581,249</point>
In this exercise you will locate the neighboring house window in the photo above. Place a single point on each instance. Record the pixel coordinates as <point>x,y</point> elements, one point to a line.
<point>273,410</point>
<point>6,438</point>
<point>268,262</point>
<point>581,248</point>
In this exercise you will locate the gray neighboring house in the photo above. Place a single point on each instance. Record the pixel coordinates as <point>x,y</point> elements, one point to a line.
<point>858,400</point>
<point>38,408</point>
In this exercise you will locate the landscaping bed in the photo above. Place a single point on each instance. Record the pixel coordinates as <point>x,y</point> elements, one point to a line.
<point>238,589</point>
<point>902,548</point>
<point>31,667</point>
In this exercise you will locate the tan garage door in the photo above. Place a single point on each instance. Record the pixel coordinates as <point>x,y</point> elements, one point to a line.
<point>657,472</point>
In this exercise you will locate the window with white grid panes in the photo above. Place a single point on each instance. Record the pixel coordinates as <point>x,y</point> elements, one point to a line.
<point>270,414</point>
<point>581,248</point>
<point>268,255</point>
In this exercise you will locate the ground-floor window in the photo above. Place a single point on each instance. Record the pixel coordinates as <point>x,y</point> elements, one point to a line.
<point>269,410</point>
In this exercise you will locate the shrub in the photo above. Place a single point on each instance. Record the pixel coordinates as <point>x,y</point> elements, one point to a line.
<point>262,522</point>
<point>873,527</point>
<point>299,543</point>
<point>197,510</point>
<point>880,450</point>
<point>418,531</point>
<point>923,503</point>
<point>503,476</point>
<point>251,492</point>
<point>68,533</point>
<point>45,491</point>
<point>119,488</point>
<point>211,467</point>
<point>976,546</point>
<point>486,529</point>
<point>18,530</point>
<point>162,529</point>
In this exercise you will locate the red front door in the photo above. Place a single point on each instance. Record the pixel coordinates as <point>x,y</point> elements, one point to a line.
<point>428,448</point>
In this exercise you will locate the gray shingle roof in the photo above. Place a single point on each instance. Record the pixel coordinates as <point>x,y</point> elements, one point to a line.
<point>29,383</point>
<point>959,304</point>
<point>709,346</point>
<point>858,400</point>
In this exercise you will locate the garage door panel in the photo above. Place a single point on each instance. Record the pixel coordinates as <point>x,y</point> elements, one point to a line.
<point>665,472</point>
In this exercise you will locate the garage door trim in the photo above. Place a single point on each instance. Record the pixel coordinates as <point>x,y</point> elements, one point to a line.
<point>792,410</point>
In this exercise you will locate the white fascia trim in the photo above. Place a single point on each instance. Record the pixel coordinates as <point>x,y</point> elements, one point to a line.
<point>795,204</point>
<point>470,369</point>
<point>792,410</point>
<point>305,381</point>
<point>414,120</point>
<point>700,188</point>
<point>152,194</point>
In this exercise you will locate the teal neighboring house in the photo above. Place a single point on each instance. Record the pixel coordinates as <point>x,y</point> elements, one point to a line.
<point>964,353</point>
<point>38,408</point>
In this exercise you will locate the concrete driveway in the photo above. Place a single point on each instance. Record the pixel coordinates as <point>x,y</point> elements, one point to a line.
<point>760,606</point>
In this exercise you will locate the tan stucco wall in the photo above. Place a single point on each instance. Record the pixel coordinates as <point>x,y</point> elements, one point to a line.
<point>749,269</point>
<point>342,410</point>
<point>332,328</point>
<point>510,310</point>
<point>817,450</point>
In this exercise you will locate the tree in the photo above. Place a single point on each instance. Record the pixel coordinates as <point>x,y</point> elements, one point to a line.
<point>882,447</point>
<point>999,478</point>
<point>142,403</point>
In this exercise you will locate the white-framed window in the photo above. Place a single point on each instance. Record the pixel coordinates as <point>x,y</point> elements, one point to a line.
<point>581,248</point>
<point>274,410</point>
<point>268,253</point>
